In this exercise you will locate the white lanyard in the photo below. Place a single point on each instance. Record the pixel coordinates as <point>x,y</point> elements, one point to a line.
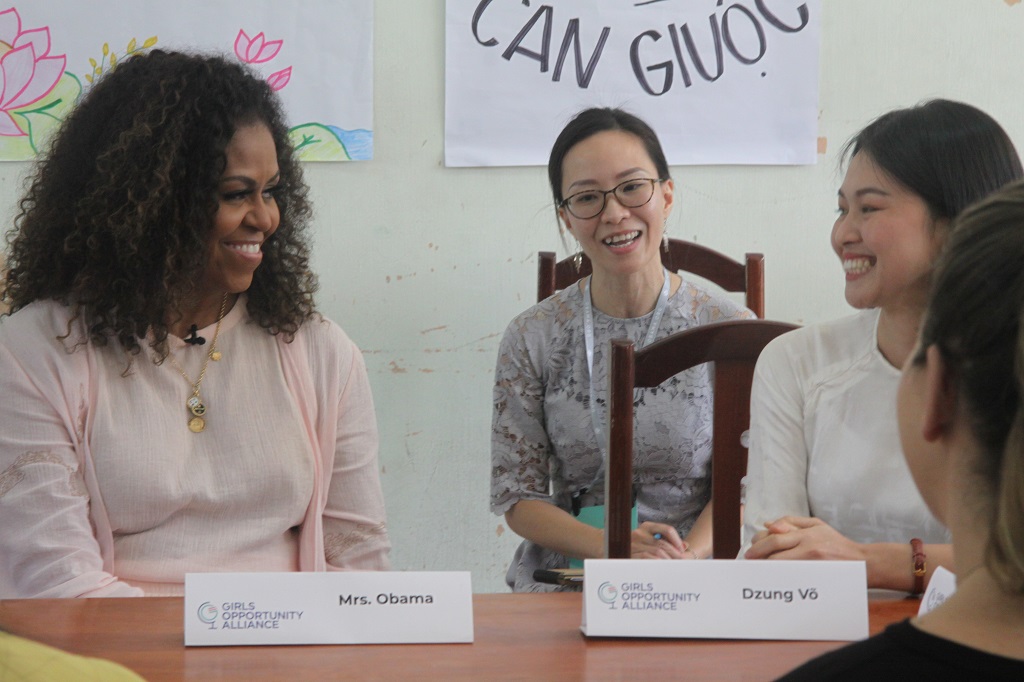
<point>588,339</point>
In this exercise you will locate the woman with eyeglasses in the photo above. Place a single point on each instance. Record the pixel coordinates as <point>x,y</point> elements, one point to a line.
<point>825,477</point>
<point>613,193</point>
<point>960,410</point>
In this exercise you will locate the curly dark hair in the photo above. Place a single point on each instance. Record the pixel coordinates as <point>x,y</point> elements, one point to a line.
<point>117,217</point>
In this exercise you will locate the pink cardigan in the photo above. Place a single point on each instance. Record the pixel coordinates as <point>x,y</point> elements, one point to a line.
<point>324,373</point>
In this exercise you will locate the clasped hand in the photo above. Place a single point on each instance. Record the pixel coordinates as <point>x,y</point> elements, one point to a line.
<point>802,537</point>
<point>659,541</point>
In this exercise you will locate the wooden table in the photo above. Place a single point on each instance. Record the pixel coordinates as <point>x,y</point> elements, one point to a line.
<point>518,637</point>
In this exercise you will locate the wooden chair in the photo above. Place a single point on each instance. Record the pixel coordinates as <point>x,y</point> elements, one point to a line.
<point>727,273</point>
<point>734,347</point>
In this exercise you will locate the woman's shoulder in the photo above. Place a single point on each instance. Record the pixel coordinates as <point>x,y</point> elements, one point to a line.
<point>332,359</point>
<point>539,334</point>
<point>823,343</point>
<point>704,303</point>
<point>37,324</point>
<point>37,312</point>
<point>880,656</point>
<point>546,318</point>
<point>903,651</point>
<point>820,354</point>
<point>321,337</point>
<point>44,344</point>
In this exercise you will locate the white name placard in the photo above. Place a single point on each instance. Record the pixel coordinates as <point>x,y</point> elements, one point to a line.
<point>227,609</point>
<point>808,600</point>
<point>940,588</point>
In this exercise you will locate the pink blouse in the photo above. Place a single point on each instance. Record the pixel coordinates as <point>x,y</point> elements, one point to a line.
<point>104,491</point>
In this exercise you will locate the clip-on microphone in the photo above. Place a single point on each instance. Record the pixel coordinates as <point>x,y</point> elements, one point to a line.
<point>193,338</point>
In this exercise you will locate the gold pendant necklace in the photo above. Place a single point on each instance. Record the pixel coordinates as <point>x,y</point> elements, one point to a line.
<point>195,405</point>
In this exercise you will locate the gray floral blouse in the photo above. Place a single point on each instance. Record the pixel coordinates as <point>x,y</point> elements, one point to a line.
<point>543,445</point>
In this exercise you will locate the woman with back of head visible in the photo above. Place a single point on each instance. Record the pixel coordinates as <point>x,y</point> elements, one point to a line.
<point>173,402</point>
<point>612,191</point>
<point>961,424</point>
<point>825,476</point>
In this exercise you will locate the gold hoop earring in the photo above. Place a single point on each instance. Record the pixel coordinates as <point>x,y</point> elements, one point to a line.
<point>577,260</point>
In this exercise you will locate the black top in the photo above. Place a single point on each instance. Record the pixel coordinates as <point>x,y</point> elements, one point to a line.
<point>903,652</point>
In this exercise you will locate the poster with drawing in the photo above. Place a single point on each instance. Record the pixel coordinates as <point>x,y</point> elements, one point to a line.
<point>721,81</point>
<point>317,54</point>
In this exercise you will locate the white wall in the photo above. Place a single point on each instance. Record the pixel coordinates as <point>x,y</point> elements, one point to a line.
<point>424,266</point>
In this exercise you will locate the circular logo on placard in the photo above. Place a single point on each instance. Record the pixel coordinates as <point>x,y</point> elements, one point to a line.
<point>607,593</point>
<point>207,613</point>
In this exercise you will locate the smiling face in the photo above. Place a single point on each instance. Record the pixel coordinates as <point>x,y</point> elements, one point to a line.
<point>619,240</point>
<point>885,238</point>
<point>247,212</point>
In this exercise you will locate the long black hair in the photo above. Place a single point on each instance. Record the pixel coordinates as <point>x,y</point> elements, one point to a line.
<point>948,153</point>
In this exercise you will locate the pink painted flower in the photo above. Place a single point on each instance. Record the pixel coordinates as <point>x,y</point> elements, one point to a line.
<point>280,79</point>
<point>256,50</point>
<point>28,74</point>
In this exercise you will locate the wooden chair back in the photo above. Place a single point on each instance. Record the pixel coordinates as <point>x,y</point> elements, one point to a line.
<point>733,347</point>
<point>727,273</point>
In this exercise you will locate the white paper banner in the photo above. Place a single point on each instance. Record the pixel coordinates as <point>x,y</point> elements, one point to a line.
<point>226,609</point>
<point>803,600</point>
<point>721,82</point>
<point>317,54</point>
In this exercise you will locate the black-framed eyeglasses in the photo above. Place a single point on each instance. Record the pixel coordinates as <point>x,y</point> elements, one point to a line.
<point>631,193</point>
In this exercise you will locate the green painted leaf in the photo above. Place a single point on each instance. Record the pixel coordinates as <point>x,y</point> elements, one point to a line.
<point>316,142</point>
<point>41,127</point>
<point>41,119</point>
<point>59,101</point>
